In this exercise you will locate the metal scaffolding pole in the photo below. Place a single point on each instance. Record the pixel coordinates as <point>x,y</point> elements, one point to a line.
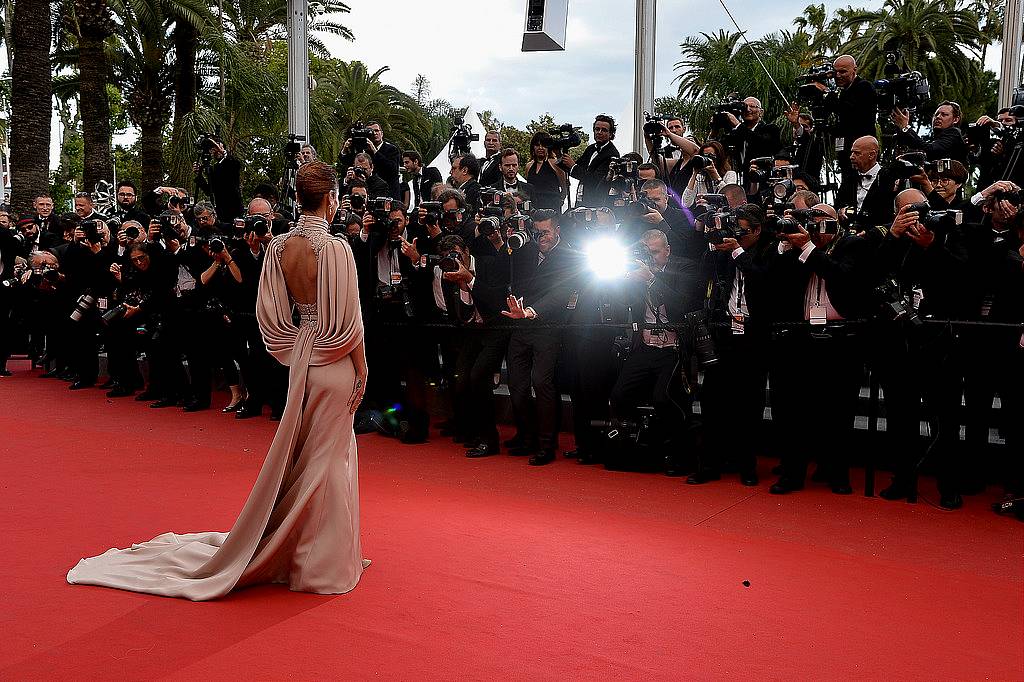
<point>643,87</point>
<point>298,69</point>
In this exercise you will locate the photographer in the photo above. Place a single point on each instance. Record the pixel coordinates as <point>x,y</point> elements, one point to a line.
<point>808,150</point>
<point>660,215</point>
<point>490,165</point>
<point>592,168</point>
<point>420,180</point>
<point>741,312</point>
<point>925,266</point>
<point>751,138</point>
<point>663,293</point>
<point>943,188</point>
<point>465,170</point>
<point>674,161</point>
<point>85,264</point>
<point>543,281</point>
<point>363,169</point>
<point>716,172</point>
<point>222,282</point>
<point>128,203</point>
<point>994,156</point>
<point>43,207</point>
<point>509,180</point>
<point>266,380</point>
<point>33,238</point>
<point>398,287</point>
<point>472,292</point>
<point>543,173</point>
<point>218,174</point>
<point>383,156</point>
<point>869,192</point>
<point>822,283</point>
<point>11,249</point>
<point>947,140</point>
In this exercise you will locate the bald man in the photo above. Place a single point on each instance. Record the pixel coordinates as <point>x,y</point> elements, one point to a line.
<point>853,107</point>
<point>752,137</point>
<point>867,190</point>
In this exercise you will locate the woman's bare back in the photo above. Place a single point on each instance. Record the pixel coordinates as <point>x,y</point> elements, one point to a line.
<point>299,265</point>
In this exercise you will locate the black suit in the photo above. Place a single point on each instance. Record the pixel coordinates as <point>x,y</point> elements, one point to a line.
<point>523,187</point>
<point>593,174</point>
<point>386,163</point>
<point>753,143</point>
<point>223,185</point>
<point>947,143</point>
<point>855,110</point>
<point>471,188</point>
<point>547,287</point>
<point>490,170</point>
<point>878,207</point>
<point>420,186</point>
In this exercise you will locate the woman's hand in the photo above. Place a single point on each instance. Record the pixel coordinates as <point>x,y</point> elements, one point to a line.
<point>358,390</point>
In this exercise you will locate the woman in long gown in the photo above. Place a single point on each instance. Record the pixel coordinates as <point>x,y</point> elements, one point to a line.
<point>300,525</point>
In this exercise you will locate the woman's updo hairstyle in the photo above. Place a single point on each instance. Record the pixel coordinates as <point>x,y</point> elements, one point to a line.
<point>314,181</point>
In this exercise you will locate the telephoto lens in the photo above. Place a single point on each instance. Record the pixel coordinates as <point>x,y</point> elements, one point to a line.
<point>83,305</point>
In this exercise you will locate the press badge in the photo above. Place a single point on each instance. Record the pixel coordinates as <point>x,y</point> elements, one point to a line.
<point>396,279</point>
<point>573,299</point>
<point>840,144</point>
<point>818,315</point>
<point>736,325</point>
<point>101,303</point>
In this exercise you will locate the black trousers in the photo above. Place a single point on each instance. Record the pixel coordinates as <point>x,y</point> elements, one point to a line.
<point>121,342</point>
<point>480,353</point>
<point>265,379</point>
<point>84,347</point>
<point>732,400</point>
<point>594,371</point>
<point>816,378</point>
<point>646,378</point>
<point>532,356</point>
<point>396,353</point>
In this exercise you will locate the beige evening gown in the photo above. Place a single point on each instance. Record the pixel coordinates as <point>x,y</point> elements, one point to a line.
<point>300,525</point>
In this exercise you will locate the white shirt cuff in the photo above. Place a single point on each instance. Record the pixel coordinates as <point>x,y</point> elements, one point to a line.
<point>737,253</point>
<point>978,199</point>
<point>784,246</point>
<point>806,251</point>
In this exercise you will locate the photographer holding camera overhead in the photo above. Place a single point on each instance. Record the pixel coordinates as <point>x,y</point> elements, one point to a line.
<point>219,176</point>
<point>750,138</point>
<point>385,158</point>
<point>946,142</point>
<point>544,174</point>
<point>362,168</point>
<point>993,141</point>
<point>592,168</point>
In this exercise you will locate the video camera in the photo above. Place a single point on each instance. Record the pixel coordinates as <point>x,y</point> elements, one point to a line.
<point>360,136</point>
<point>462,135</point>
<point>205,144</point>
<point>807,91</point>
<point>730,105</point>
<point>565,137</point>
<point>899,90</point>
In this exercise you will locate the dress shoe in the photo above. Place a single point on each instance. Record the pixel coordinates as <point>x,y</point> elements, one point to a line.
<point>107,385</point>
<point>233,407</point>
<point>5,372</point>
<point>587,457</point>
<point>898,491</point>
<point>702,477</point>
<point>842,488</point>
<point>164,402</point>
<point>541,458</point>
<point>749,478</point>
<point>247,412</point>
<point>67,376</point>
<point>195,406</point>
<point>146,396</point>
<point>785,485</point>
<point>52,374</point>
<point>79,385</point>
<point>951,501</point>
<point>483,449</point>
<point>119,391</point>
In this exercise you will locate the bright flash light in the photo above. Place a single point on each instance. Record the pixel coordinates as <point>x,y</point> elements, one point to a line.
<point>607,258</point>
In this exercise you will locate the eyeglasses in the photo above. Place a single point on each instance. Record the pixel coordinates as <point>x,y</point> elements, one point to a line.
<point>139,259</point>
<point>126,194</point>
<point>944,181</point>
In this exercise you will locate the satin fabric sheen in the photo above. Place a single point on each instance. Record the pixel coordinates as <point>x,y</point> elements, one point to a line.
<point>300,524</point>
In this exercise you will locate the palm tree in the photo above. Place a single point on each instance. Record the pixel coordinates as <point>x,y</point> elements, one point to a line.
<point>30,110</point>
<point>95,24</point>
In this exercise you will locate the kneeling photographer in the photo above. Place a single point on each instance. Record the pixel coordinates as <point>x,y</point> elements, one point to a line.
<point>924,263</point>
<point>86,262</point>
<point>822,281</point>
<point>398,287</point>
<point>739,305</point>
<point>665,292</point>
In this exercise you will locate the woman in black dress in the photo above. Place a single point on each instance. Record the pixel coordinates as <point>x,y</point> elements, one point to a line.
<point>548,180</point>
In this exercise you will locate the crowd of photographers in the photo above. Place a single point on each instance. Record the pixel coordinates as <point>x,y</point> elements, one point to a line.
<point>641,287</point>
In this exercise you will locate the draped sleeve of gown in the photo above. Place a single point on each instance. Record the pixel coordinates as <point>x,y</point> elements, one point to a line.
<point>300,524</point>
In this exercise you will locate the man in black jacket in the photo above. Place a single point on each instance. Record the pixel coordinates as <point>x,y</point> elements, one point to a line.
<point>543,282</point>
<point>221,180</point>
<point>465,171</point>
<point>421,180</point>
<point>853,106</point>
<point>128,203</point>
<point>508,179</point>
<point>947,140</point>
<point>752,138</point>
<point>870,190</point>
<point>490,165</point>
<point>592,168</point>
<point>822,282</point>
<point>665,292</point>
<point>732,396</point>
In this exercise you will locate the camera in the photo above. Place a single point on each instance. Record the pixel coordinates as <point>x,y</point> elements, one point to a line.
<point>216,243</point>
<point>894,305</point>
<point>807,91</point>
<point>257,224</point>
<point>518,238</point>
<point>714,200</point>
<point>462,135</point>
<point>489,225</point>
<point>783,190</point>
<point>133,299</point>
<point>356,201</point>
<point>83,305</point>
<point>379,208</point>
<point>907,165</point>
<point>900,90</point>
<point>434,210</point>
<point>761,169</point>
<point>565,137</point>
<point>92,231</point>
<point>1014,197</point>
<point>700,337</point>
<point>721,226</point>
<point>730,105</point>
<point>654,127</point>
<point>700,163</point>
<point>360,136</point>
<point>623,173</point>
<point>447,263</point>
<point>205,144</point>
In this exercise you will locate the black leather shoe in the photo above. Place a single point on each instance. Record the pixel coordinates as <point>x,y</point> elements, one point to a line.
<point>247,412</point>
<point>119,391</point>
<point>541,458</point>
<point>79,385</point>
<point>749,478</point>
<point>233,407</point>
<point>951,501</point>
<point>166,402</point>
<point>587,457</point>
<point>702,477</point>
<point>145,396</point>
<point>842,489</point>
<point>195,406</point>
<point>898,491</point>
<point>483,449</point>
<point>785,485</point>
<point>107,385</point>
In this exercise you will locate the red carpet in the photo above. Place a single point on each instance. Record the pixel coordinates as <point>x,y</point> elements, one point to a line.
<point>489,569</point>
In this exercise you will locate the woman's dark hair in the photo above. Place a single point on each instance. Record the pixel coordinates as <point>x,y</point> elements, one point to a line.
<point>722,164</point>
<point>541,138</point>
<point>313,182</point>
